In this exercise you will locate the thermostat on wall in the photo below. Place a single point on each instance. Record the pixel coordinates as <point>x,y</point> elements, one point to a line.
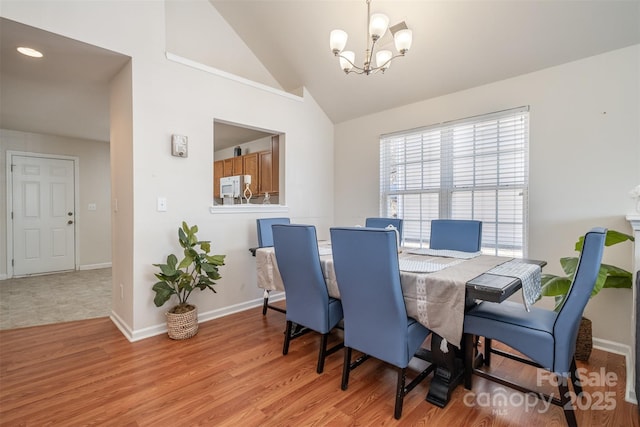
<point>179,145</point>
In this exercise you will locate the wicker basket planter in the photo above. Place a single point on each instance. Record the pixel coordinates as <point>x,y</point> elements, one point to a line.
<point>181,326</point>
<point>584,342</point>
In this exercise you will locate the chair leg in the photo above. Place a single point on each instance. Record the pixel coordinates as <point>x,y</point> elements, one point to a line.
<point>287,337</point>
<point>469,353</point>
<point>487,351</point>
<point>402,375</point>
<point>265,302</point>
<point>575,379</point>
<point>346,367</point>
<point>322,353</point>
<point>567,405</point>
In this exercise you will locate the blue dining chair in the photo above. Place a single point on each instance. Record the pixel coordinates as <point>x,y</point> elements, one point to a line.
<point>265,235</point>
<point>384,223</point>
<point>456,235</point>
<point>308,301</point>
<point>546,338</point>
<point>265,240</point>
<point>375,317</point>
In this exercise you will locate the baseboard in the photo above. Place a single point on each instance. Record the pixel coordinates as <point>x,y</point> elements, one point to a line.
<point>95,266</point>
<point>276,296</point>
<point>624,350</point>
<point>159,329</point>
<point>121,325</point>
<point>3,277</point>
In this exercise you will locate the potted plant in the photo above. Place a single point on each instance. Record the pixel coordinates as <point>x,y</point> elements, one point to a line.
<point>197,270</point>
<point>609,276</point>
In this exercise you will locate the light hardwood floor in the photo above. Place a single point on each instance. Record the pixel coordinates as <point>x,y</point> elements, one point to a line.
<point>233,373</point>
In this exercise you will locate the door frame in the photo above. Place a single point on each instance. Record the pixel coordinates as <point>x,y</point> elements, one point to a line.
<point>9,202</point>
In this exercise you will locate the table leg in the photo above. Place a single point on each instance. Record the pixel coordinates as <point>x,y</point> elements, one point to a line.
<point>449,372</point>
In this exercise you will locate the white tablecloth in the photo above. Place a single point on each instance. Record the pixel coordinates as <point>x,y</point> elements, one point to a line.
<point>435,299</point>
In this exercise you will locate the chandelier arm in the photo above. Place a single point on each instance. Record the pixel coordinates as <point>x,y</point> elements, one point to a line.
<point>339,55</point>
<point>389,60</point>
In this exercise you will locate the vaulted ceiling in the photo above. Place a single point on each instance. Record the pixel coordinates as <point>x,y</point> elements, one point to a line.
<point>457,45</point>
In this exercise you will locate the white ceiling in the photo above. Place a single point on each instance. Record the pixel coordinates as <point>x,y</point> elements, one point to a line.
<point>457,45</point>
<point>66,92</point>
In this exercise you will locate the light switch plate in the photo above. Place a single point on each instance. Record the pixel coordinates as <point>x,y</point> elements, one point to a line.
<point>162,204</point>
<point>179,145</point>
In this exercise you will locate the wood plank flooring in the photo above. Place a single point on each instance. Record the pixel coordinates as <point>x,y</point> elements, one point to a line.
<point>233,373</point>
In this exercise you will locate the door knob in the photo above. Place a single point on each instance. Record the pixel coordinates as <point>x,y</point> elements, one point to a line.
<point>70,213</point>
<point>69,222</point>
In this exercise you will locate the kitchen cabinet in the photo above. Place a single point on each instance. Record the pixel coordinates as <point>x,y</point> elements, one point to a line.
<point>218,168</point>
<point>265,166</point>
<point>269,168</point>
<point>250,167</point>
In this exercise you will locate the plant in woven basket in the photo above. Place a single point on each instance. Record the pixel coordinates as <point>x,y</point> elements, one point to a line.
<point>609,276</point>
<point>196,270</point>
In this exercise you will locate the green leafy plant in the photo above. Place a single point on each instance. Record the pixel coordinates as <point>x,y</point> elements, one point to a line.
<point>609,276</point>
<point>197,270</point>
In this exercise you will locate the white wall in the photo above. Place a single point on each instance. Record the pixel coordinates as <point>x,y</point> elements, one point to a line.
<point>584,159</point>
<point>195,30</point>
<point>168,98</point>
<point>262,144</point>
<point>93,160</point>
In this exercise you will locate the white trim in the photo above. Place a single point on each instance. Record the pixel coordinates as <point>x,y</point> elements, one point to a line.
<point>634,220</point>
<point>95,266</point>
<point>222,209</point>
<point>202,317</point>
<point>276,296</point>
<point>3,277</point>
<point>121,325</point>
<point>199,66</point>
<point>624,350</point>
<point>76,202</point>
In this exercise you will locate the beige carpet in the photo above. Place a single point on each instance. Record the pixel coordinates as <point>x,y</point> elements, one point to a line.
<point>55,298</point>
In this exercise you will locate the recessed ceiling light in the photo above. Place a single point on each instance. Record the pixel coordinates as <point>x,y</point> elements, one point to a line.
<point>30,52</point>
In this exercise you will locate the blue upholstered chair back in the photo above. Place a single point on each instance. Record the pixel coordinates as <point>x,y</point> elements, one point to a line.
<point>384,223</point>
<point>265,236</point>
<point>565,329</point>
<point>296,248</point>
<point>375,316</point>
<point>456,234</point>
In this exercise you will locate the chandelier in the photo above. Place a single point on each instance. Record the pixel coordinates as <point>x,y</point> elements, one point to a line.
<point>377,25</point>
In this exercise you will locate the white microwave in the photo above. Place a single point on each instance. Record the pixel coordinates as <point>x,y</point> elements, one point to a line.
<point>230,186</point>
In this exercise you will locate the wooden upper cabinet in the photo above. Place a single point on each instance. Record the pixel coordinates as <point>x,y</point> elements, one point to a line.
<point>250,167</point>
<point>269,167</point>
<point>275,163</point>
<point>265,166</point>
<point>238,166</point>
<point>218,169</point>
<point>228,167</point>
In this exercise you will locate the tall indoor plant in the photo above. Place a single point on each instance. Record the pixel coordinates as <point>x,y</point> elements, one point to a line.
<point>196,270</point>
<point>609,276</point>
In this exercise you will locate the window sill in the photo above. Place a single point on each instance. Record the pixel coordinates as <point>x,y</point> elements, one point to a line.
<point>257,208</point>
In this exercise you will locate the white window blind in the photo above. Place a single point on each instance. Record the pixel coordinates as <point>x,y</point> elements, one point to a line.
<point>475,168</point>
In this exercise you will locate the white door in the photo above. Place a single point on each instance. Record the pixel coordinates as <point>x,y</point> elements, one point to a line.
<point>43,215</point>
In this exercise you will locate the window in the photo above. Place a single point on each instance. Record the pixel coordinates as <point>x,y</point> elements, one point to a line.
<point>474,168</point>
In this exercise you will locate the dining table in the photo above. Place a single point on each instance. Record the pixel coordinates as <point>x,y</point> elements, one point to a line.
<point>438,286</point>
